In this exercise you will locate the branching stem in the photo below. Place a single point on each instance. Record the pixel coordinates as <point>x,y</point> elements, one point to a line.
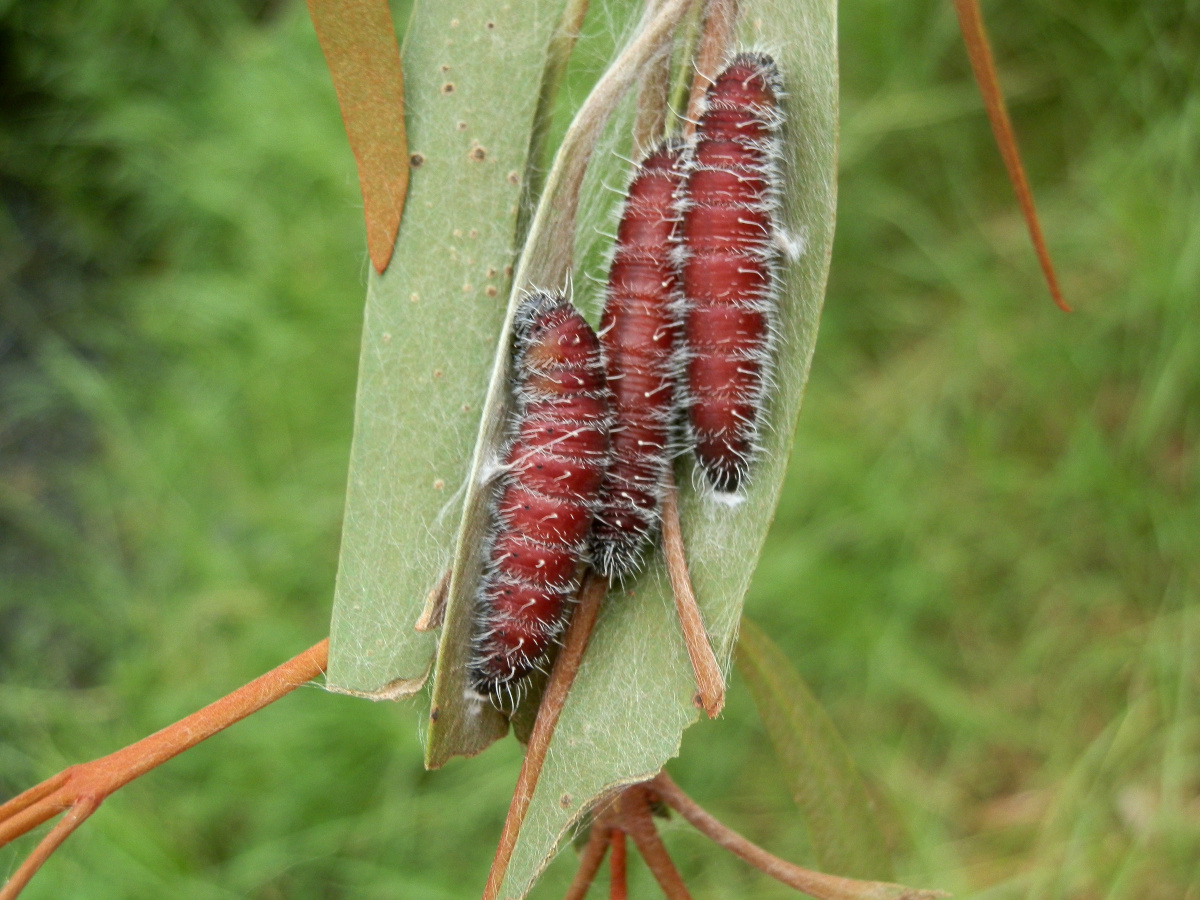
<point>815,884</point>
<point>82,788</point>
<point>80,810</point>
<point>637,822</point>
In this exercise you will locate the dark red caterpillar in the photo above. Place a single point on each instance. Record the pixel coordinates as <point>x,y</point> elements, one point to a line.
<point>729,259</point>
<point>553,468</point>
<point>639,331</point>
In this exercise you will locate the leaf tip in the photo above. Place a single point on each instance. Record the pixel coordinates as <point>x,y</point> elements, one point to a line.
<point>382,205</point>
<point>358,39</point>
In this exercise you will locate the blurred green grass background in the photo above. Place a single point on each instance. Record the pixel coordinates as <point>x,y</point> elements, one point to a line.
<point>984,562</point>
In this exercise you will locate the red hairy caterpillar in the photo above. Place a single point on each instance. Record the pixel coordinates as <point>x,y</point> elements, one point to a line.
<point>556,458</point>
<point>639,333</point>
<point>729,259</point>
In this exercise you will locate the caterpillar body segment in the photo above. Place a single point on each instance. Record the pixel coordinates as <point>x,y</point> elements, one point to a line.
<point>555,461</point>
<point>640,332</point>
<point>729,259</point>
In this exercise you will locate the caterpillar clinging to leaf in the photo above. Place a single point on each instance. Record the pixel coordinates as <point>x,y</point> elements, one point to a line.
<point>556,457</point>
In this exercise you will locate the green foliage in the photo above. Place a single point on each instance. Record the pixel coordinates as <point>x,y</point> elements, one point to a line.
<point>983,560</point>
<point>845,834</point>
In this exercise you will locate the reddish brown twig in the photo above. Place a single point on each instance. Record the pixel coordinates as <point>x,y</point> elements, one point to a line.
<point>710,683</point>
<point>618,886</point>
<point>984,67</point>
<point>83,808</point>
<point>84,787</point>
<point>815,884</point>
<point>637,822</point>
<point>562,676</point>
<point>589,863</point>
<point>720,16</point>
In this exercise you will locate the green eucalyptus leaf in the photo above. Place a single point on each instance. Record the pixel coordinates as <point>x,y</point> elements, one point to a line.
<point>460,723</point>
<point>632,698</point>
<point>842,823</point>
<point>472,72</point>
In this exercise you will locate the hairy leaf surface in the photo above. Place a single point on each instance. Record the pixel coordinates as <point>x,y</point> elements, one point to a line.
<point>472,72</point>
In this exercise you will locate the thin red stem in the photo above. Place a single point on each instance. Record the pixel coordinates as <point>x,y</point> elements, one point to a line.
<point>710,683</point>
<point>984,66</point>
<point>83,787</point>
<point>24,800</point>
<point>562,676</point>
<point>589,863</point>
<point>815,884</point>
<point>83,808</point>
<point>618,885</point>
